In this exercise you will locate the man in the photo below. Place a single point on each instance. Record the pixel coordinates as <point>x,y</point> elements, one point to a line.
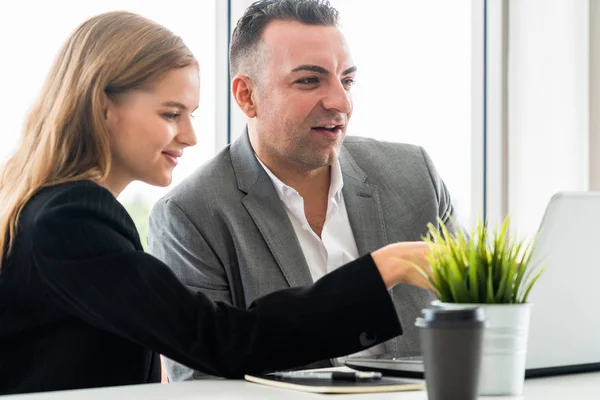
<point>291,200</point>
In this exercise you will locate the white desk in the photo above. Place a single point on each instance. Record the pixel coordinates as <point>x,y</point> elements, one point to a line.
<point>579,387</point>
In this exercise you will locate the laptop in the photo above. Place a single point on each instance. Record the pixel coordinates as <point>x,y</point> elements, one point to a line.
<point>564,332</point>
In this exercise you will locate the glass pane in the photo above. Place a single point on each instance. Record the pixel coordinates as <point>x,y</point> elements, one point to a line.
<point>30,40</point>
<point>414,81</point>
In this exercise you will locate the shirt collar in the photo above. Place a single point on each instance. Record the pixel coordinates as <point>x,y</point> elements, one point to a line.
<point>283,190</point>
<point>337,181</point>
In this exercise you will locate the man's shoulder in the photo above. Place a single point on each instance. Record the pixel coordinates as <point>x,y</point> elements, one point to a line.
<point>375,151</point>
<point>209,182</point>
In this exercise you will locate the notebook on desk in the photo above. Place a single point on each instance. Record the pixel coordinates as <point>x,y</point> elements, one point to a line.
<point>564,330</point>
<point>324,386</point>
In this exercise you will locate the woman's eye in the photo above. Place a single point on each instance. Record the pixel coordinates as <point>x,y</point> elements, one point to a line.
<point>171,116</point>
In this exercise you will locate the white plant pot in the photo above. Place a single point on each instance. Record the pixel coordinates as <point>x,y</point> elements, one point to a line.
<point>504,346</point>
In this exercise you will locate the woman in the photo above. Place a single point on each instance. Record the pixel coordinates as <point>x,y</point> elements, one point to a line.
<point>81,304</point>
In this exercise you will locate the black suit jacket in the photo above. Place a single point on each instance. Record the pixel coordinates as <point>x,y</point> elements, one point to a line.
<point>81,305</point>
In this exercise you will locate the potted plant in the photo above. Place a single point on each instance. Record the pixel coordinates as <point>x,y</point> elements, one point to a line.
<point>491,271</point>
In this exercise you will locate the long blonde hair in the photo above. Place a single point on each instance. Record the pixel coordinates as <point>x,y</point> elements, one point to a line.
<point>65,137</point>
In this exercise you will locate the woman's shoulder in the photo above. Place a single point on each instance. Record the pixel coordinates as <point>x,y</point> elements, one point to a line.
<point>67,198</point>
<point>72,192</point>
<point>77,204</point>
<point>81,194</point>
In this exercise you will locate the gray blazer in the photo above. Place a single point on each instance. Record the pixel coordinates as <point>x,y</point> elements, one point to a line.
<point>225,232</point>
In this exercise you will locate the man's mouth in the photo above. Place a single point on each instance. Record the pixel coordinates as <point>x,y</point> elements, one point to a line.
<point>329,129</point>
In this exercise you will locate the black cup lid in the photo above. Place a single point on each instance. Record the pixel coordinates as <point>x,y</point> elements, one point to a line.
<point>437,317</point>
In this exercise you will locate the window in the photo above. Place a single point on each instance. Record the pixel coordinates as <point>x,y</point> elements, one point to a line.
<point>414,82</point>
<point>543,135</point>
<point>30,40</point>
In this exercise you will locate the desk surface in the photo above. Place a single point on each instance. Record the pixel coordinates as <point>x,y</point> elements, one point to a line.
<point>578,386</point>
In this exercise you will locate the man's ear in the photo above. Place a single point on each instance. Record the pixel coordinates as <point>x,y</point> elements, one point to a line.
<point>241,88</point>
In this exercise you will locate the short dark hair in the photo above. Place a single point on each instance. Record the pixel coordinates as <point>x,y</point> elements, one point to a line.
<point>248,31</point>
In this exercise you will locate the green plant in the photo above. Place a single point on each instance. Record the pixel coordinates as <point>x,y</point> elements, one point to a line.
<point>480,268</point>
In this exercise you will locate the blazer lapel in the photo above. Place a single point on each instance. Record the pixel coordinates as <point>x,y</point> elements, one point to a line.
<point>268,213</point>
<point>365,214</point>
<point>363,206</point>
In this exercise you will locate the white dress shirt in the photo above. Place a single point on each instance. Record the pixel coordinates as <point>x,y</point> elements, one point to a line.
<point>336,246</point>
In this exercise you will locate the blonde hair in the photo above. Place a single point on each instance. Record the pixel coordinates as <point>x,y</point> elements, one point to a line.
<point>65,137</point>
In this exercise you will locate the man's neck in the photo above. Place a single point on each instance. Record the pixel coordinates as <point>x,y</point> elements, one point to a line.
<point>304,180</point>
<point>312,185</point>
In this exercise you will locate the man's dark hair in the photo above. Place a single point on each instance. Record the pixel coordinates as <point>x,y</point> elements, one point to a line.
<point>248,31</point>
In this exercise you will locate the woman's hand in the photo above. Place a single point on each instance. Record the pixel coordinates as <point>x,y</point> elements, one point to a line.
<point>396,263</point>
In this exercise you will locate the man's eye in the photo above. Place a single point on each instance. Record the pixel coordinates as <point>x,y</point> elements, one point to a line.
<point>308,81</point>
<point>349,82</point>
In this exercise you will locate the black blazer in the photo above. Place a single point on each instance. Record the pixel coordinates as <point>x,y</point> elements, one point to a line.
<point>81,305</point>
